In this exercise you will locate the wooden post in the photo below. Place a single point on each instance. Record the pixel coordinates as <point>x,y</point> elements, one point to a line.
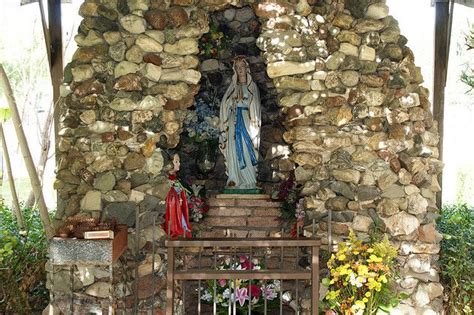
<point>440,72</point>
<point>15,203</point>
<point>56,58</point>
<point>315,280</point>
<point>25,150</point>
<point>170,283</point>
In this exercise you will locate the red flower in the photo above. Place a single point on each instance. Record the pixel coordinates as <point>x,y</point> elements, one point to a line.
<point>255,291</point>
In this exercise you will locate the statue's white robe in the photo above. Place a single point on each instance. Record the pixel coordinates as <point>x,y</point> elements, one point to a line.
<point>238,177</point>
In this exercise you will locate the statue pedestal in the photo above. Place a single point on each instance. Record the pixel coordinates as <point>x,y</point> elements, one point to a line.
<point>242,215</point>
<point>255,191</point>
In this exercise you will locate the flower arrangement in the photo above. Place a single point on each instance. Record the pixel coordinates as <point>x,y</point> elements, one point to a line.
<point>203,123</point>
<point>361,278</point>
<point>242,292</point>
<point>217,39</point>
<point>197,206</point>
<point>292,204</point>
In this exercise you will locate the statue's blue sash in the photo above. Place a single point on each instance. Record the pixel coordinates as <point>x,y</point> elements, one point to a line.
<point>241,136</point>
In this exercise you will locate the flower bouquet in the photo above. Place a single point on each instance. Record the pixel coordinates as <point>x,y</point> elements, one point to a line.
<point>361,278</point>
<point>242,292</point>
<point>197,206</point>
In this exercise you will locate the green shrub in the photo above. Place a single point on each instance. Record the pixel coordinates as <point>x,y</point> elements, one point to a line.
<point>457,257</point>
<point>23,256</point>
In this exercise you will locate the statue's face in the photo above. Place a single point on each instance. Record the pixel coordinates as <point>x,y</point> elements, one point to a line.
<point>241,70</point>
<point>176,162</point>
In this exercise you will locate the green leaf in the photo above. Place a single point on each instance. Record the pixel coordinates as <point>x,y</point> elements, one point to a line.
<point>5,114</point>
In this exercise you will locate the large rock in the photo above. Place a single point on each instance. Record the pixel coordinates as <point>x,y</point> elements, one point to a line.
<point>282,68</point>
<point>187,75</point>
<point>402,224</point>
<point>347,175</point>
<point>186,46</point>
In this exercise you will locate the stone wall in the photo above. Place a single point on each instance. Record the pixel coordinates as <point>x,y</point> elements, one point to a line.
<point>362,136</point>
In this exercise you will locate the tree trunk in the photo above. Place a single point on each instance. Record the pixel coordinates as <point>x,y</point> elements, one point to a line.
<point>11,182</point>
<point>45,145</point>
<point>30,166</point>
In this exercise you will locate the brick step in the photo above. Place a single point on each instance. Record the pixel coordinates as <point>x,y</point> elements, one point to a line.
<point>243,221</point>
<point>240,202</point>
<point>241,211</point>
<point>243,196</point>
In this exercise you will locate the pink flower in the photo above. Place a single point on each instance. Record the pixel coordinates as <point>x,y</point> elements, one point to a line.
<point>247,265</point>
<point>222,282</point>
<point>243,258</point>
<point>255,291</point>
<point>241,295</point>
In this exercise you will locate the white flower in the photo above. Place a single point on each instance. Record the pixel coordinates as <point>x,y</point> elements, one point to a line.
<point>354,281</point>
<point>206,296</point>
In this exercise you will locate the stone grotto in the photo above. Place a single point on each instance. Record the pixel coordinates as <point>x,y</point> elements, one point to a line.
<point>343,111</point>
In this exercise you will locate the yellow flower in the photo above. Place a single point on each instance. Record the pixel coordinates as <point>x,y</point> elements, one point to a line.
<point>370,250</point>
<point>362,270</point>
<point>341,257</point>
<point>365,300</point>
<point>368,294</point>
<point>375,259</point>
<point>383,279</point>
<point>332,295</point>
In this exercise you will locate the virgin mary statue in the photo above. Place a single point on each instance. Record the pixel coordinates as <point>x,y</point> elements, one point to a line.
<point>240,121</point>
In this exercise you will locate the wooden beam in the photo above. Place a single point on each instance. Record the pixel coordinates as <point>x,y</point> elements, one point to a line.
<point>440,73</point>
<point>56,56</point>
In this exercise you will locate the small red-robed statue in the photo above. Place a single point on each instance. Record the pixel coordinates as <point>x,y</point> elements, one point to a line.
<point>177,212</point>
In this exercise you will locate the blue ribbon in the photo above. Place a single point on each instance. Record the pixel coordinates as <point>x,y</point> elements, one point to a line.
<point>241,133</point>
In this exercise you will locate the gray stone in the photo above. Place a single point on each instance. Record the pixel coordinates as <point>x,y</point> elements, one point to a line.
<point>149,203</point>
<point>387,179</point>
<point>369,25</point>
<point>367,53</point>
<point>104,181</point>
<point>117,51</point>
<point>123,104</point>
<point>366,193</point>
<point>210,65</point>
<point>187,75</point>
<point>229,14</point>
<point>244,15</point>
<point>92,201</point>
<point>124,212</point>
